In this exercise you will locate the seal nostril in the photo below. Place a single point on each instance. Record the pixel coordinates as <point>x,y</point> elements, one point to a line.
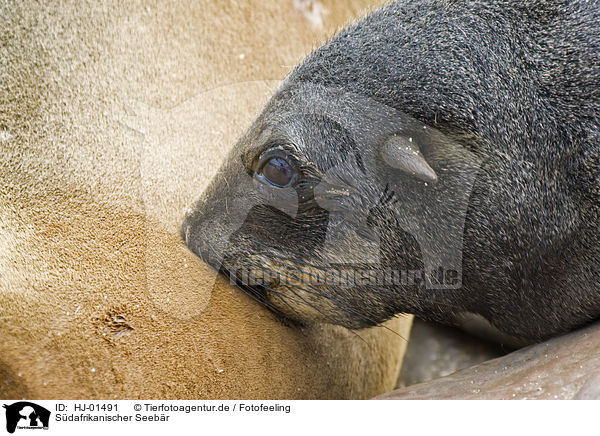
<point>186,234</point>
<point>185,231</point>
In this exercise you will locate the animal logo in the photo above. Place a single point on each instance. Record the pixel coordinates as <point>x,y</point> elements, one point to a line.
<point>26,415</point>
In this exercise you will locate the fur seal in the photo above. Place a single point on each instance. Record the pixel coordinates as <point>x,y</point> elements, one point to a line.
<point>451,146</point>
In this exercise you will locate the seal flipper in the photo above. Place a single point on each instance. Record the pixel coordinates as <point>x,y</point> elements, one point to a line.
<point>403,153</point>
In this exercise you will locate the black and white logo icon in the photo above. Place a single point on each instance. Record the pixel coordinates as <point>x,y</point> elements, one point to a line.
<point>26,415</point>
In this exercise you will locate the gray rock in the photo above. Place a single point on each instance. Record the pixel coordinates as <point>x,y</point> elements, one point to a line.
<point>436,351</point>
<point>566,367</point>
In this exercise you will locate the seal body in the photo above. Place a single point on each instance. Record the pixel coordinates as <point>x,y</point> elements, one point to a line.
<point>450,134</point>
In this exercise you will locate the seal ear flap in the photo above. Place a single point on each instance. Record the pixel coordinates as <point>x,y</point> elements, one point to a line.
<point>403,153</point>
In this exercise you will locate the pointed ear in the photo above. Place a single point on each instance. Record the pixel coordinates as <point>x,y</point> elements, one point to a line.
<point>404,154</point>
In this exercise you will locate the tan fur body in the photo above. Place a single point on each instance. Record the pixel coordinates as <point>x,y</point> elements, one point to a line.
<point>99,297</point>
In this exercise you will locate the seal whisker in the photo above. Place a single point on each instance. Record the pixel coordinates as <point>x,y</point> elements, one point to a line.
<point>254,294</point>
<point>316,291</point>
<point>299,253</point>
<point>291,288</point>
<point>340,305</point>
<point>283,298</point>
<point>371,288</point>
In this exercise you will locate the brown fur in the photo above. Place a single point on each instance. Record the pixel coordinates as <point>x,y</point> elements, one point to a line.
<point>99,296</point>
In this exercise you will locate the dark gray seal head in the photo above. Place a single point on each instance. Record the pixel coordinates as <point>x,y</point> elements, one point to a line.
<point>437,158</point>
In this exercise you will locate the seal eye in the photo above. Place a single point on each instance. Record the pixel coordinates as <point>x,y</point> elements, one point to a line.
<point>278,172</point>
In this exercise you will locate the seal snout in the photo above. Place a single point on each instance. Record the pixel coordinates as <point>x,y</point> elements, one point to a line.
<point>192,233</point>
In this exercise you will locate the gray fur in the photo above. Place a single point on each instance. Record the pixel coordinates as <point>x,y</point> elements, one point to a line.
<point>517,83</point>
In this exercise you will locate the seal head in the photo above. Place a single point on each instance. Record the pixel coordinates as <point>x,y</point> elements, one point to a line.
<point>413,166</point>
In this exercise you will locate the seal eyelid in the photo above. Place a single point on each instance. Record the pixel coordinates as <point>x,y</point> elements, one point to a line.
<point>272,146</point>
<point>282,151</point>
